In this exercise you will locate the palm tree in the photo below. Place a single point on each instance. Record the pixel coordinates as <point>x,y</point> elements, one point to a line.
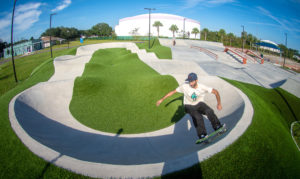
<point>222,33</point>
<point>157,24</point>
<point>195,31</point>
<point>230,36</point>
<point>174,29</point>
<point>205,31</point>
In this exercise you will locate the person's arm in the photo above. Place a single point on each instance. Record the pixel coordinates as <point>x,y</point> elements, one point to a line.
<point>219,105</point>
<point>165,97</point>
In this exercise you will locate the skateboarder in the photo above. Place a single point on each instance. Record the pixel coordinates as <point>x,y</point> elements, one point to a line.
<point>194,103</point>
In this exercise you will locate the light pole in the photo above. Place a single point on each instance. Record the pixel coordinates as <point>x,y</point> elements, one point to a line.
<point>12,43</point>
<point>149,21</point>
<point>68,37</point>
<point>50,32</point>
<point>286,48</point>
<point>243,39</point>
<point>183,28</point>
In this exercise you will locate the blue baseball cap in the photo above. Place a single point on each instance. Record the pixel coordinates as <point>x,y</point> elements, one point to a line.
<point>191,77</point>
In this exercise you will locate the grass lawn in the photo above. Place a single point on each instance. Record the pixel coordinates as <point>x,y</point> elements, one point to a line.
<point>16,160</point>
<point>160,51</point>
<point>119,91</point>
<point>265,150</point>
<point>24,67</point>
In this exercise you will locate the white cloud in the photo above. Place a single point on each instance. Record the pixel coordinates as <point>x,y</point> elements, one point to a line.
<point>269,14</point>
<point>5,22</point>
<point>62,5</point>
<point>25,16</point>
<point>287,25</point>
<point>207,3</point>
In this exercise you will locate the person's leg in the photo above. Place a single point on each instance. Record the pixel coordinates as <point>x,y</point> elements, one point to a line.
<point>206,110</point>
<point>197,120</point>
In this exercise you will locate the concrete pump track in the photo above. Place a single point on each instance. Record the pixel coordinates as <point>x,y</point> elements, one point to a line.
<point>41,118</point>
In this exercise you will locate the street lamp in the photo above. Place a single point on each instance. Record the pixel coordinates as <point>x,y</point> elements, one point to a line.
<point>149,21</point>
<point>243,39</point>
<point>68,37</point>
<point>50,32</point>
<point>286,48</point>
<point>184,28</point>
<point>12,43</point>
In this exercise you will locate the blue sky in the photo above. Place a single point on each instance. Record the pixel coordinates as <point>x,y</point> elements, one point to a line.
<point>267,20</point>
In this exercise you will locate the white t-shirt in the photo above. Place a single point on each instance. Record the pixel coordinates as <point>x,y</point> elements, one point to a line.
<point>193,96</point>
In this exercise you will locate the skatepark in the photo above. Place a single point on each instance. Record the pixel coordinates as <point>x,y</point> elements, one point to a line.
<point>49,130</point>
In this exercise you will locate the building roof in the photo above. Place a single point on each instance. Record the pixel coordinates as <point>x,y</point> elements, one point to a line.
<point>268,43</point>
<point>159,16</point>
<point>47,38</point>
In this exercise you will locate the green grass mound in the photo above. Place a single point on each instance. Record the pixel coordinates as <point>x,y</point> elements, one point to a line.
<point>160,51</point>
<point>296,132</point>
<point>118,92</point>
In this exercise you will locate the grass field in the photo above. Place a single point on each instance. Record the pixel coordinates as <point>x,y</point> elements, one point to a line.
<point>118,91</point>
<point>265,150</point>
<point>160,51</point>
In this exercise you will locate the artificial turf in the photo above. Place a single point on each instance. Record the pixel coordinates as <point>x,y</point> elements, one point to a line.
<point>296,133</point>
<point>265,150</point>
<point>160,51</point>
<point>16,160</point>
<point>117,91</point>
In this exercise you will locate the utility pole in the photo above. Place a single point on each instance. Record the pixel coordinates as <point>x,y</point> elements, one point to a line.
<point>149,21</point>
<point>243,39</point>
<point>286,48</point>
<point>12,42</point>
<point>50,32</point>
<point>183,28</point>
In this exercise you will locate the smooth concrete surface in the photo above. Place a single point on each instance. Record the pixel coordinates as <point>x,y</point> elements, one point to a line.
<point>41,118</point>
<point>230,66</point>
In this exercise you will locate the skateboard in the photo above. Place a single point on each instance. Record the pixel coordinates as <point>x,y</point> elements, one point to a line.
<point>214,134</point>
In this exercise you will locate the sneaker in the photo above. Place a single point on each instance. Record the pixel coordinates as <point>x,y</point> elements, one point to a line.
<point>203,136</point>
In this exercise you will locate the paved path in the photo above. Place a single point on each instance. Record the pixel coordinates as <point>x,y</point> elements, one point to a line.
<point>41,118</point>
<point>266,75</point>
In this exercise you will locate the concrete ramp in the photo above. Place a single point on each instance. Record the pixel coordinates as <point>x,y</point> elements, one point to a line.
<point>41,118</point>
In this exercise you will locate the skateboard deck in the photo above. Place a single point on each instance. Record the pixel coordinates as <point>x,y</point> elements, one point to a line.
<point>211,136</point>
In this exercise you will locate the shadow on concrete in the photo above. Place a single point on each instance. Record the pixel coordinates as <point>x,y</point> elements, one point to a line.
<point>192,172</point>
<point>235,58</point>
<point>252,78</point>
<point>277,84</point>
<point>177,150</point>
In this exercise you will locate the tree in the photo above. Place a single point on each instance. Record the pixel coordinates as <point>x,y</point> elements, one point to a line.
<point>3,45</point>
<point>205,31</point>
<point>101,29</point>
<point>195,31</point>
<point>134,33</point>
<point>222,34</point>
<point>230,36</point>
<point>157,24</point>
<point>174,29</point>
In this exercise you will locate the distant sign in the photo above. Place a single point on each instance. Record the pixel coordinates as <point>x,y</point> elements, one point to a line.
<point>81,40</point>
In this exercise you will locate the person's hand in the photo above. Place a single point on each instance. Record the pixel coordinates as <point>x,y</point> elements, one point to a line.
<point>219,107</point>
<point>158,102</point>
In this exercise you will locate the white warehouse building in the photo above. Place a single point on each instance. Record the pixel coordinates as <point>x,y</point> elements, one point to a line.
<point>140,23</point>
